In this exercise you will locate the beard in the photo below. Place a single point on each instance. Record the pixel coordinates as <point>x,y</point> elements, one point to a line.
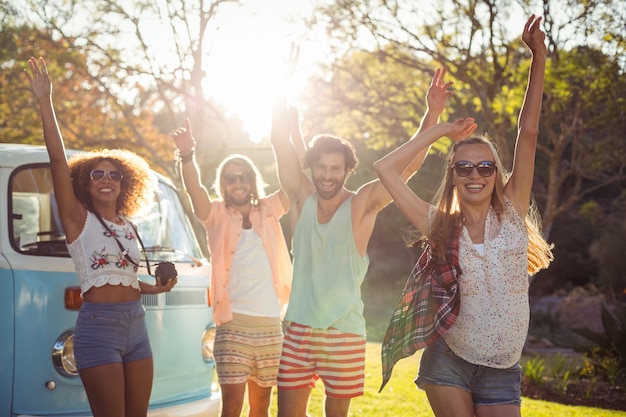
<point>237,200</point>
<point>326,193</point>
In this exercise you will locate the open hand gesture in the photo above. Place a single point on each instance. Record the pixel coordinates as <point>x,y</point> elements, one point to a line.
<point>461,129</point>
<point>291,61</point>
<point>534,37</point>
<point>39,80</point>
<point>438,92</point>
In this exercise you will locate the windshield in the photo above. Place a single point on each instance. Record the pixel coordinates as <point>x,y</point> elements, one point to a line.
<point>166,232</point>
<point>36,227</point>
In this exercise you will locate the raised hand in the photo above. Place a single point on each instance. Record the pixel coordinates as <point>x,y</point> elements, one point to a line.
<point>39,80</point>
<point>461,129</point>
<point>438,92</point>
<point>533,36</point>
<point>291,61</point>
<point>183,138</point>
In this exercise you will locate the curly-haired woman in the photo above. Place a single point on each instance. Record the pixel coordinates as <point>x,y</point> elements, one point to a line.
<point>95,193</point>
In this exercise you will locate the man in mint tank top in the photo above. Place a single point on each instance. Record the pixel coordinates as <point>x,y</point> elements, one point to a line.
<point>331,227</point>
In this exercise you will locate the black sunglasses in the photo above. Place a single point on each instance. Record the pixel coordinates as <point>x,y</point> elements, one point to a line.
<point>484,168</point>
<point>244,177</point>
<point>99,174</point>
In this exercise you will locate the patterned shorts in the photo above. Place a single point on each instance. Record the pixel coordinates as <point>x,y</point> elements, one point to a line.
<point>337,358</point>
<point>248,347</point>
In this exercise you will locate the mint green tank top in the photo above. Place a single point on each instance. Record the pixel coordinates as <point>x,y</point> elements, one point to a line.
<point>327,272</point>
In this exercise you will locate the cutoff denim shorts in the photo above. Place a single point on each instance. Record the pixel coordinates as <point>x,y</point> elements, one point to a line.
<point>489,386</point>
<point>108,333</point>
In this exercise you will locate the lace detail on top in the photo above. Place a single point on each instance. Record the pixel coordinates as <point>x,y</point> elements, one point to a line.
<point>97,258</point>
<point>493,321</point>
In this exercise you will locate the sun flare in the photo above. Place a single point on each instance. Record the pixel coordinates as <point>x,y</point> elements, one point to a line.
<point>245,66</point>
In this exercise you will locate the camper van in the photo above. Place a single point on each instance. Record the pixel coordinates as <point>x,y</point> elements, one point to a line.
<point>40,299</point>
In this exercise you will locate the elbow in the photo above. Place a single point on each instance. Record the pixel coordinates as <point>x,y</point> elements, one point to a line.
<point>378,167</point>
<point>529,131</point>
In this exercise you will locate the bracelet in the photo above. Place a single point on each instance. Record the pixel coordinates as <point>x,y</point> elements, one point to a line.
<point>187,157</point>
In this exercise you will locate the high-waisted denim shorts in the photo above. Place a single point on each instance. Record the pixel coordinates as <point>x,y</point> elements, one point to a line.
<point>489,386</point>
<point>109,333</point>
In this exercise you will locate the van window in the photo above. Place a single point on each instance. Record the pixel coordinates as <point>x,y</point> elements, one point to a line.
<point>166,232</point>
<point>36,227</point>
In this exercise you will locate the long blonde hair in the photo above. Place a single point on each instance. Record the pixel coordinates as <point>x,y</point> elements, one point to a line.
<point>258,185</point>
<point>447,204</point>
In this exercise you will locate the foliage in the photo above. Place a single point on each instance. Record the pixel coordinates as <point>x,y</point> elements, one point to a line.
<point>89,116</point>
<point>141,95</point>
<point>608,250</point>
<point>534,370</point>
<point>608,356</point>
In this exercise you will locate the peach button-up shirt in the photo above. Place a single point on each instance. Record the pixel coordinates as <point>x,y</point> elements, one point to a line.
<point>223,227</point>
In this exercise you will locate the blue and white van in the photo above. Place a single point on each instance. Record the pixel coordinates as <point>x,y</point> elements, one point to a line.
<point>40,298</point>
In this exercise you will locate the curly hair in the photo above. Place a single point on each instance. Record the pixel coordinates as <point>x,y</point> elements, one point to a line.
<point>137,187</point>
<point>322,144</point>
<point>447,203</point>
<point>258,185</point>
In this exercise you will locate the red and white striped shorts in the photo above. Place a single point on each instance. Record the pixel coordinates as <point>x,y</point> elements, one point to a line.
<point>337,358</point>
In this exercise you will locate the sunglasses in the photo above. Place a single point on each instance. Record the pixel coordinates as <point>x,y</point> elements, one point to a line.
<point>484,168</point>
<point>243,177</point>
<point>99,174</point>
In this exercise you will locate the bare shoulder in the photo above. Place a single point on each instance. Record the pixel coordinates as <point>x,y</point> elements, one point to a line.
<point>371,198</point>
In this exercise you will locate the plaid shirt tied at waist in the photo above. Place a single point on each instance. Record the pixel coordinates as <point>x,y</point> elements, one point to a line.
<point>428,307</point>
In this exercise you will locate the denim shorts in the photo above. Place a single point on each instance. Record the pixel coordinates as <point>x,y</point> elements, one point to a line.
<point>108,333</point>
<point>489,386</point>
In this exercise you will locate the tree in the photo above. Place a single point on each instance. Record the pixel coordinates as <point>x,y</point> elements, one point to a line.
<point>488,66</point>
<point>146,59</point>
<point>89,117</point>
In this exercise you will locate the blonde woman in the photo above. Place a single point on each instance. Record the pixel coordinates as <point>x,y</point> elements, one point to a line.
<point>474,369</point>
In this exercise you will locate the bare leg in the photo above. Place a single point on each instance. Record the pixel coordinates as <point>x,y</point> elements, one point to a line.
<point>449,401</point>
<point>498,411</point>
<point>104,386</point>
<point>232,399</point>
<point>293,402</point>
<point>259,399</point>
<point>336,407</point>
<point>138,376</point>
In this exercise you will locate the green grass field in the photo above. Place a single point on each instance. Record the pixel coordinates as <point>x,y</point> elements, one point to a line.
<point>401,398</point>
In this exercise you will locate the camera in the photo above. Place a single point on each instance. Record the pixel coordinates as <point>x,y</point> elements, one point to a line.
<point>164,271</point>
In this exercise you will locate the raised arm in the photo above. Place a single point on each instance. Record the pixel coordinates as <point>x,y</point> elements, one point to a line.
<point>391,167</point>
<point>72,213</point>
<point>436,98</point>
<point>297,139</point>
<point>519,185</point>
<point>186,144</point>
<point>292,178</point>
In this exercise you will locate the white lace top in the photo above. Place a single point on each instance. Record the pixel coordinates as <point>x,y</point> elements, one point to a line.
<point>97,257</point>
<point>493,321</point>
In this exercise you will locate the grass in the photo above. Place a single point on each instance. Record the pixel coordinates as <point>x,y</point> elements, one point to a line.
<point>401,398</point>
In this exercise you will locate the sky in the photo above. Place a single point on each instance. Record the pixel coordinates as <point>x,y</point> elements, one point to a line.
<point>247,55</point>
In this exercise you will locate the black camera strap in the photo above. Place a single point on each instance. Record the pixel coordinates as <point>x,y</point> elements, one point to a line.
<point>122,248</point>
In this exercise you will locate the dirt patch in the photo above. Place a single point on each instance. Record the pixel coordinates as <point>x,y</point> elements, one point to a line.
<point>582,392</point>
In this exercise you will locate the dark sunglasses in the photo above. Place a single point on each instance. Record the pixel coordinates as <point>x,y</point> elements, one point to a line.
<point>484,168</point>
<point>244,177</point>
<point>99,174</point>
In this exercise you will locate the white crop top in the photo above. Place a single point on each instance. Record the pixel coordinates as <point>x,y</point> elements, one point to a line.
<point>97,257</point>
